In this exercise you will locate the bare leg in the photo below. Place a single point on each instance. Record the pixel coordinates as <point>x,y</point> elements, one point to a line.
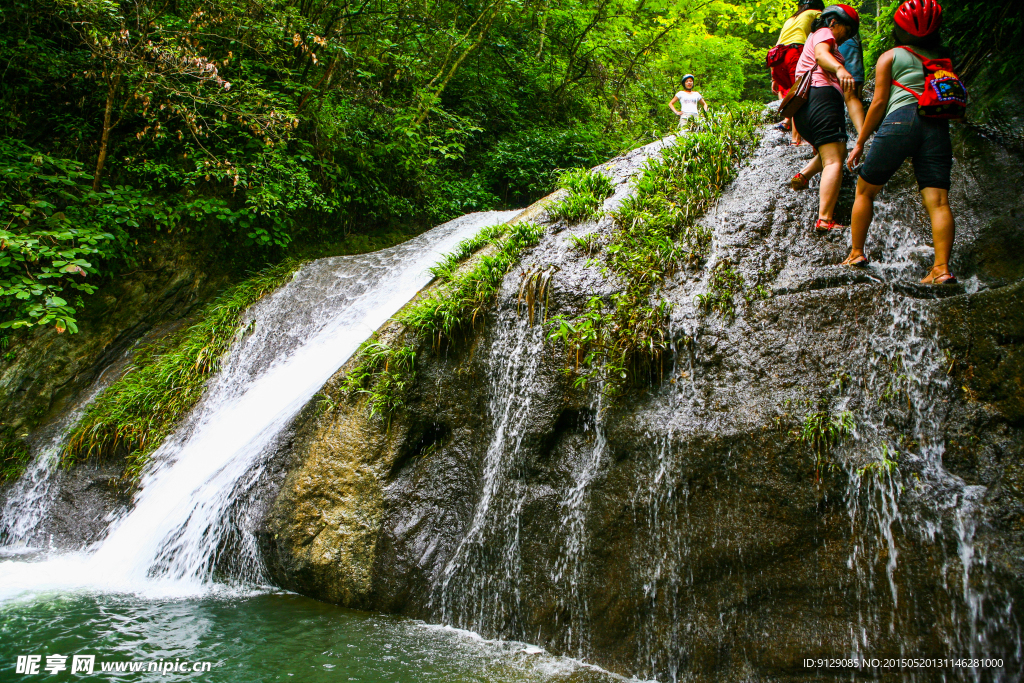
<point>863,211</point>
<point>812,168</point>
<point>832,156</point>
<point>936,201</point>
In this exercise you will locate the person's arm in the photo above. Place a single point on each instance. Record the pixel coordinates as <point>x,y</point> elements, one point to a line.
<point>672,106</point>
<point>704,103</point>
<point>876,112</point>
<point>828,62</point>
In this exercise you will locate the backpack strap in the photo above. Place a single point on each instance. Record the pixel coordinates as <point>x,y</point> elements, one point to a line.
<point>916,95</point>
<point>900,85</point>
<point>904,47</point>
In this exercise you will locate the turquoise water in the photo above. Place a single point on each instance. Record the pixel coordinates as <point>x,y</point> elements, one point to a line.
<point>251,636</point>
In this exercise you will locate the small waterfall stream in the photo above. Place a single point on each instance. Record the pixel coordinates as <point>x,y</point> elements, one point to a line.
<point>293,341</point>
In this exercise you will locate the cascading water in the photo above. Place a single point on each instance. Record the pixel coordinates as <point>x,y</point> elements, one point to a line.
<point>479,588</point>
<point>903,487</point>
<point>293,341</point>
<point>27,503</point>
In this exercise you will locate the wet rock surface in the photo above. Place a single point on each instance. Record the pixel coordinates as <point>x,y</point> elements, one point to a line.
<point>692,530</point>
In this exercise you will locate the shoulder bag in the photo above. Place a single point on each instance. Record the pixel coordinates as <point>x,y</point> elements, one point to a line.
<point>797,96</point>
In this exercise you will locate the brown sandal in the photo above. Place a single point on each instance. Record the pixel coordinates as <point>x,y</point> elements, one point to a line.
<point>946,278</point>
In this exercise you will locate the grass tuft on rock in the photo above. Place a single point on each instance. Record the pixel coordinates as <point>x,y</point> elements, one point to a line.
<point>385,371</point>
<point>137,412</point>
<point>622,341</point>
<point>455,306</point>
<point>587,191</point>
<point>823,431</point>
<point>724,285</point>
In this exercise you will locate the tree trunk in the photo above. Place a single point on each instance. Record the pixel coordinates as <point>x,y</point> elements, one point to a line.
<point>105,136</point>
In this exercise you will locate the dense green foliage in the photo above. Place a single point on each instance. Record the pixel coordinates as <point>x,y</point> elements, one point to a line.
<point>284,124</point>
<point>134,415</point>
<point>622,342</point>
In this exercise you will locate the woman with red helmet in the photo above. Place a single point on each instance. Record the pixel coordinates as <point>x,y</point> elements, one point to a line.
<point>822,120</point>
<point>903,133</point>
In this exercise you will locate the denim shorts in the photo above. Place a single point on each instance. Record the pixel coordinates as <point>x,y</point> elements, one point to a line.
<point>905,134</point>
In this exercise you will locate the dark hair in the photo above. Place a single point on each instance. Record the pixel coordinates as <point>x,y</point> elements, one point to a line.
<point>823,21</point>
<point>808,5</point>
<point>932,41</point>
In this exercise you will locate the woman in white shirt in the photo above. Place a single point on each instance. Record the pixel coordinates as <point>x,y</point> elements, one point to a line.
<point>687,100</point>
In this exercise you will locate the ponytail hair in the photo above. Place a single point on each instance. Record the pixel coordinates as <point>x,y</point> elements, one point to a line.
<point>808,5</point>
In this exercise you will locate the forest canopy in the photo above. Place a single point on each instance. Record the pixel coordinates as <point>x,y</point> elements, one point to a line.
<point>269,125</point>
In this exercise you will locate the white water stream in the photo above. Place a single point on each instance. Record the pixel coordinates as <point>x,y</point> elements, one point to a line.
<point>294,341</point>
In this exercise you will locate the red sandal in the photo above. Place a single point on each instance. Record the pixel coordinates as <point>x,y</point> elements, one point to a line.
<point>799,182</point>
<point>822,225</point>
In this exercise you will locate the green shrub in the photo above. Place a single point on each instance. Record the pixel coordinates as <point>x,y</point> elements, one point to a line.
<point>14,456</point>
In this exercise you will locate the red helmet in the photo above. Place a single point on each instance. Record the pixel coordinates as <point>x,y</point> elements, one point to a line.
<point>919,18</point>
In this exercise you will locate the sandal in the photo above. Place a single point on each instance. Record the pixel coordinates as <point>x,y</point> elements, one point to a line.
<point>822,225</point>
<point>782,127</point>
<point>946,278</point>
<point>861,261</point>
<point>799,182</point>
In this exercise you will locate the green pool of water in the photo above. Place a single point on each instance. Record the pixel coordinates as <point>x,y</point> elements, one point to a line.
<point>259,637</point>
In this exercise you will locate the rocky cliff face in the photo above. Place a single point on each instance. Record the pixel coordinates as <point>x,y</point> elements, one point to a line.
<point>711,527</point>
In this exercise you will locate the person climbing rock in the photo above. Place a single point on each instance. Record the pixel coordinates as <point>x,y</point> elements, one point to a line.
<point>687,100</point>
<point>783,57</point>
<point>903,132</point>
<point>853,54</point>
<point>822,120</point>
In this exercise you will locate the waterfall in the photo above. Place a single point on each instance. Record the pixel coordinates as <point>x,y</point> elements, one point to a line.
<point>30,497</point>
<point>479,587</point>
<point>292,342</point>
